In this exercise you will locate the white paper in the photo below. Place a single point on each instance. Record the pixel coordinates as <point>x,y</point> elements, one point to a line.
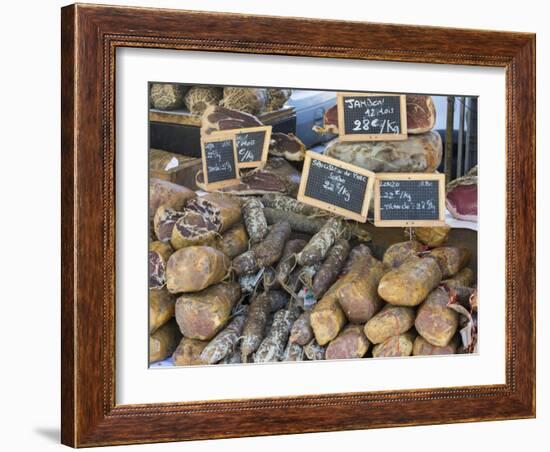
<point>173,163</point>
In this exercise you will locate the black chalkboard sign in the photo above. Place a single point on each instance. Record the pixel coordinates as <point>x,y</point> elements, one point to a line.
<point>336,186</point>
<point>409,199</point>
<point>219,161</point>
<point>252,146</point>
<point>372,117</point>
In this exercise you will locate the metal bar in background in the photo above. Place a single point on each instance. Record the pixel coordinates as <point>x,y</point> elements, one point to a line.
<point>460,144</point>
<point>471,135</point>
<point>467,143</point>
<point>448,166</point>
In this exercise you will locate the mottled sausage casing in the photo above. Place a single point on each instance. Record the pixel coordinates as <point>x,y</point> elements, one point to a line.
<point>159,253</point>
<point>435,322</point>
<point>450,259</point>
<point>201,315</point>
<point>464,278</point>
<point>188,352</point>
<point>410,283</point>
<point>265,253</point>
<point>330,268</point>
<point>234,241</point>
<point>349,344</point>
<point>359,298</point>
<point>401,345</point>
<point>390,321</point>
<point>314,351</point>
<point>224,342</point>
<point>161,308</point>
<point>422,347</point>
<point>195,268</point>
<point>254,327</point>
<point>327,317</point>
<point>317,248</point>
<point>273,346</point>
<point>254,220</point>
<point>301,332</point>
<point>163,341</point>
<point>398,253</point>
<point>288,260</point>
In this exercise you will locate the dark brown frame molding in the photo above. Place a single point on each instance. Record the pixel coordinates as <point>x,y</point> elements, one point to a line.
<point>90,36</point>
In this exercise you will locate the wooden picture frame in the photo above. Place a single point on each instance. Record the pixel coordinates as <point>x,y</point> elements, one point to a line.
<point>440,178</point>
<point>371,136</point>
<point>303,197</point>
<point>91,34</point>
<point>222,183</point>
<point>265,149</point>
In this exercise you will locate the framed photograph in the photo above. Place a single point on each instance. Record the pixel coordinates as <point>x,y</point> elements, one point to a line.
<point>206,299</point>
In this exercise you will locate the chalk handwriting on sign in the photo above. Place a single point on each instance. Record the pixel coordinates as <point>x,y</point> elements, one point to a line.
<point>247,147</point>
<point>377,116</point>
<point>336,186</point>
<point>369,117</point>
<point>400,201</point>
<point>219,162</point>
<point>252,145</point>
<point>335,180</point>
<point>395,197</point>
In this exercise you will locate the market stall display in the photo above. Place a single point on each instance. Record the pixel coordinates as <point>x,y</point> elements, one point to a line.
<point>250,272</point>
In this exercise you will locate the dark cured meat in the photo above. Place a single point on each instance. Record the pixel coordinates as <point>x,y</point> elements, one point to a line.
<point>193,228</point>
<point>420,113</point>
<point>159,253</point>
<point>254,327</point>
<point>288,146</point>
<point>257,182</point>
<point>164,221</point>
<point>254,220</point>
<point>420,116</point>
<point>358,256</point>
<point>288,204</point>
<point>462,202</point>
<point>319,245</point>
<point>270,250</point>
<point>297,221</point>
<point>264,253</point>
<point>165,193</point>
<point>330,268</point>
<point>273,346</point>
<point>217,118</point>
<point>287,262</point>
<point>220,209</point>
<point>301,332</point>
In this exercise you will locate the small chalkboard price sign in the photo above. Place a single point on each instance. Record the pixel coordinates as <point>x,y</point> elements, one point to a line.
<point>409,199</point>
<point>252,145</point>
<point>336,186</point>
<point>372,117</point>
<point>219,161</point>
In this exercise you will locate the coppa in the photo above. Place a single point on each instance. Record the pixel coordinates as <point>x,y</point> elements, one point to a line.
<point>364,102</point>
